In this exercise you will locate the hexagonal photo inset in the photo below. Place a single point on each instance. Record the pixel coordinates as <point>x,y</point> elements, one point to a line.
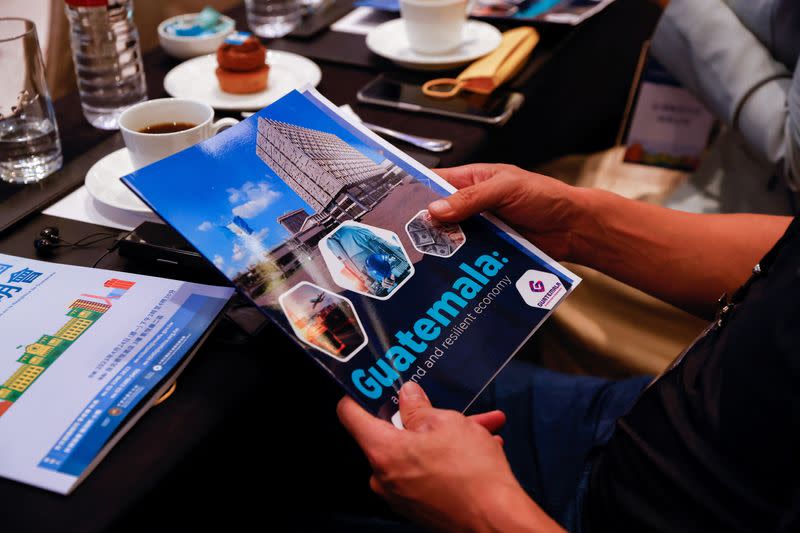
<point>434,238</point>
<point>365,259</point>
<point>323,320</point>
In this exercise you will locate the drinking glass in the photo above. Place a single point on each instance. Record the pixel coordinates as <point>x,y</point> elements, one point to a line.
<point>273,18</point>
<point>30,149</point>
<point>310,6</point>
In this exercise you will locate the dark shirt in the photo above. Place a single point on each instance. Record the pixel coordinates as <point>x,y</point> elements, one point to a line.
<point>714,444</point>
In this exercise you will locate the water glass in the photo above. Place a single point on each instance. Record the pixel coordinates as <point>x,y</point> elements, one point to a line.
<point>273,18</point>
<point>310,6</point>
<point>30,149</point>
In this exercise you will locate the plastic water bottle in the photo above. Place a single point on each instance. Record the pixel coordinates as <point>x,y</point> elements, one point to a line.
<point>108,60</point>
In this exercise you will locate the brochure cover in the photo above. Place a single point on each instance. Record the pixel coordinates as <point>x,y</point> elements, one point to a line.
<point>324,226</point>
<point>570,12</point>
<point>81,351</point>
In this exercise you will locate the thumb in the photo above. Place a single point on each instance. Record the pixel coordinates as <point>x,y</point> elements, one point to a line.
<point>487,195</point>
<point>413,405</point>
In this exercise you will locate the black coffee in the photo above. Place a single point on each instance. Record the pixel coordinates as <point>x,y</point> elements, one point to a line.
<point>167,127</point>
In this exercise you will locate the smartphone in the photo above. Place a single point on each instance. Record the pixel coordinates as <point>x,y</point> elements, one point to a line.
<point>158,244</point>
<point>495,108</point>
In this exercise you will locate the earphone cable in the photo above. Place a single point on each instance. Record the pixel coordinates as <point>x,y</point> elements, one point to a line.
<point>119,238</point>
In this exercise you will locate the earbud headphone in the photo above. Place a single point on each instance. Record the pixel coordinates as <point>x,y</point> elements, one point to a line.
<point>50,239</point>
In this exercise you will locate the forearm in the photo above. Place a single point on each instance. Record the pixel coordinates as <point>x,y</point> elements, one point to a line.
<point>510,509</point>
<point>686,259</point>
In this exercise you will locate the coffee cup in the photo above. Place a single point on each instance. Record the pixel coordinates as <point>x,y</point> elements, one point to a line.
<point>188,122</point>
<point>434,26</point>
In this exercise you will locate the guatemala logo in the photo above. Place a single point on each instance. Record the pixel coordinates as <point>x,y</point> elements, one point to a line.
<point>540,289</point>
<point>536,286</point>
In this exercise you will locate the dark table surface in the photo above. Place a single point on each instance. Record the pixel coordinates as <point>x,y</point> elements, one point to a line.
<point>237,425</point>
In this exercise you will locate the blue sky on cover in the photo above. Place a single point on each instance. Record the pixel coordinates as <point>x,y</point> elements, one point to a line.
<point>200,190</point>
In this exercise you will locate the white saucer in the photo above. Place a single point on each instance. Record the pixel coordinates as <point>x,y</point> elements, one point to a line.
<point>390,41</point>
<point>104,185</point>
<point>195,79</point>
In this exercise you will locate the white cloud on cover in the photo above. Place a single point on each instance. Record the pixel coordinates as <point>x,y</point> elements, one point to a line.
<point>234,195</point>
<point>238,252</point>
<point>256,198</point>
<point>205,226</point>
<point>219,262</point>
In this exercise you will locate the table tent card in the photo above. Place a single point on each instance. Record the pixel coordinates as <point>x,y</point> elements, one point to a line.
<point>324,226</point>
<point>668,126</point>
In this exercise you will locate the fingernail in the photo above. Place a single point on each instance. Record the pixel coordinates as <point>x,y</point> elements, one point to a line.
<point>441,208</point>
<point>411,391</point>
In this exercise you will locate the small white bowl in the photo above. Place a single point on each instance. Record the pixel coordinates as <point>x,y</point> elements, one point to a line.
<point>186,47</point>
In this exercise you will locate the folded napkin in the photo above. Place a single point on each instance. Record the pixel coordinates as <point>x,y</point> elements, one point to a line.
<point>490,72</point>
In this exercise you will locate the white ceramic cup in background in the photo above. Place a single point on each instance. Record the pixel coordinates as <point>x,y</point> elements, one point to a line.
<point>146,148</point>
<point>434,26</point>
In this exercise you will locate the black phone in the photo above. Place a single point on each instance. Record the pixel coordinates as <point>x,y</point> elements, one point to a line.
<point>159,244</point>
<point>495,108</point>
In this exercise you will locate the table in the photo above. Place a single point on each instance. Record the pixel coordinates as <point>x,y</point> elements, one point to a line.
<point>235,423</point>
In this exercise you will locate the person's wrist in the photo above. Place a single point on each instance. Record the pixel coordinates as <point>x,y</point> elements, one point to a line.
<point>506,507</point>
<point>584,207</point>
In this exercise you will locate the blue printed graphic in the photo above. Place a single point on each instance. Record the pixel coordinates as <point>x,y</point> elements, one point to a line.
<point>26,275</point>
<point>90,430</point>
<point>7,291</point>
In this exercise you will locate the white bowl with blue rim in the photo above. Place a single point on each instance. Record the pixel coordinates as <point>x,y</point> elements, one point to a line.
<point>183,37</point>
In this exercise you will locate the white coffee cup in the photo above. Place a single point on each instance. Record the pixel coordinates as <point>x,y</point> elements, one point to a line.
<point>146,148</point>
<point>434,26</point>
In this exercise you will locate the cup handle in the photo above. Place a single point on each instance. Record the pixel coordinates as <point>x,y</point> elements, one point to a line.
<point>223,124</point>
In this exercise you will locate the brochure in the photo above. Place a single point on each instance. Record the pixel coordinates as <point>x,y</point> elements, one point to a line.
<point>570,12</point>
<point>83,353</point>
<point>324,226</point>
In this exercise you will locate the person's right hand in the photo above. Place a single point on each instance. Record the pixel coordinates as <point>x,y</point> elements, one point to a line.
<point>444,470</point>
<point>544,210</point>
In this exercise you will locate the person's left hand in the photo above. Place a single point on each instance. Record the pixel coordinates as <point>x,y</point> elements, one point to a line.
<point>443,470</point>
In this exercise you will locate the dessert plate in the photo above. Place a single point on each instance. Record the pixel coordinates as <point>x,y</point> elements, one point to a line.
<point>390,41</point>
<point>104,185</point>
<point>195,79</point>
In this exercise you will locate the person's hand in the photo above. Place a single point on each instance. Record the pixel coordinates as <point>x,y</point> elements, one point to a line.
<point>445,471</point>
<point>544,210</point>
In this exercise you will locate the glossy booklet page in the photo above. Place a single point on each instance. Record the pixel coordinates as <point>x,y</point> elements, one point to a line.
<point>324,226</point>
<point>83,352</point>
